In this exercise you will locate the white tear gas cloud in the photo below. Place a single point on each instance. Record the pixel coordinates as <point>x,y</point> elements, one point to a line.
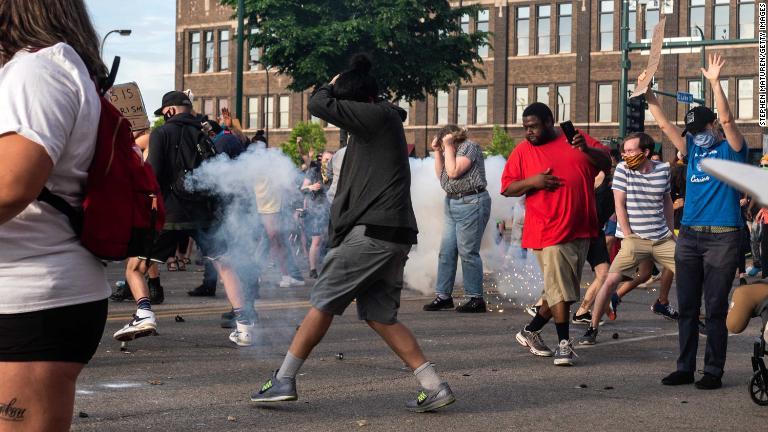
<point>507,272</point>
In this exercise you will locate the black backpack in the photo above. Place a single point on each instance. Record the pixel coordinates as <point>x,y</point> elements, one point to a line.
<point>190,154</point>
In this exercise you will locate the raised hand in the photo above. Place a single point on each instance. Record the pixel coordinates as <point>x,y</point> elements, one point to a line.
<point>716,63</point>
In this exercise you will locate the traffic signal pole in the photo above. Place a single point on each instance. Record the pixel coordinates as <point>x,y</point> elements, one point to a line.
<point>625,65</point>
<point>626,47</point>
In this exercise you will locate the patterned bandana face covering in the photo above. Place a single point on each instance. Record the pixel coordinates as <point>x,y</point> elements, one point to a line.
<point>635,161</point>
<point>704,139</point>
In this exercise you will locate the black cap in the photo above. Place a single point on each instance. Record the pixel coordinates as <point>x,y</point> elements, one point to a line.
<point>697,119</point>
<point>174,98</point>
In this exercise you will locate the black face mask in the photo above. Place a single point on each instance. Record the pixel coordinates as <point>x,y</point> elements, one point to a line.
<point>168,114</point>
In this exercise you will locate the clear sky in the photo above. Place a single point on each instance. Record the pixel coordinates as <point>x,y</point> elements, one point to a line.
<point>147,55</point>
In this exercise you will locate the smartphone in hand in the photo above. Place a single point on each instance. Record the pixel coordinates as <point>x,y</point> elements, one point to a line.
<point>568,130</point>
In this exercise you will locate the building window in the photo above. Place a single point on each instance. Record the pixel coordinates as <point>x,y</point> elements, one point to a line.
<point>721,17</point>
<point>283,120</point>
<point>208,59</point>
<point>604,102</point>
<point>223,103</point>
<point>208,108</point>
<point>563,103</point>
<point>746,94</point>
<point>481,106</point>
<point>651,18</point>
<point>254,54</point>
<point>442,108</point>
<point>695,17</point>
<point>694,88</point>
<point>253,113</point>
<point>402,103</point>
<point>269,112</point>
<point>194,52</point>
<point>521,102</point>
<point>606,25</point>
<point>724,85</point>
<point>564,27</point>
<point>542,94</point>
<point>746,19</point>
<point>465,23</point>
<point>542,28</point>
<point>482,25</point>
<point>632,33</point>
<point>463,105</point>
<point>523,30</point>
<point>224,50</point>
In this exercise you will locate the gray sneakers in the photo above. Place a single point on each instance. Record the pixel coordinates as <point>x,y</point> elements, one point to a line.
<point>276,390</point>
<point>534,342</point>
<point>424,401</point>
<point>564,354</point>
<point>590,337</point>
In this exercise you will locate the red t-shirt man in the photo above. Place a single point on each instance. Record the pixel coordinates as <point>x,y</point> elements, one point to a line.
<point>566,213</point>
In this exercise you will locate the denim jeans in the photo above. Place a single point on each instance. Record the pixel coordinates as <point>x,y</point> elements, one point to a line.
<point>465,221</point>
<point>705,264</point>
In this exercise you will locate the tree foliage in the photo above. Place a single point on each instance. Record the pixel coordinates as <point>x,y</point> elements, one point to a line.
<point>312,135</point>
<point>417,45</point>
<point>501,143</point>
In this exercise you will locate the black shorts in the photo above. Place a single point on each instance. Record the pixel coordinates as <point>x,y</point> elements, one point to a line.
<point>316,222</point>
<point>168,241</point>
<point>598,251</point>
<point>65,334</point>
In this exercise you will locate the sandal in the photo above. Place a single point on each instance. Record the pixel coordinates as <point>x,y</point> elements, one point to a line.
<point>181,264</point>
<point>172,265</point>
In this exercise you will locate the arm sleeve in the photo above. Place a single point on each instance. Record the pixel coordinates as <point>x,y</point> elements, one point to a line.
<point>360,118</point>
<point>513,170</point>
<point>469,150</point>
<point>620,178</point>
<point>155,154</point>
<point>41,101</point>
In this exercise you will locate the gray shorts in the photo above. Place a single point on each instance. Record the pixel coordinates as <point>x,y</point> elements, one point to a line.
<point>363,269</point>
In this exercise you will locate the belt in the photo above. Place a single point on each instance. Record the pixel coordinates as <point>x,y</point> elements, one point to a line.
<point>463,194</point>
<point>713,229</point>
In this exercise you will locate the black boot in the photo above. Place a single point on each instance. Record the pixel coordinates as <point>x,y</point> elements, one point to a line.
<point>203,291</point>
<point>156,294</point>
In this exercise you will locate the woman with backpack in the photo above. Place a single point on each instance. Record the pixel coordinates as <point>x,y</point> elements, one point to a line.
<point>53,292</point>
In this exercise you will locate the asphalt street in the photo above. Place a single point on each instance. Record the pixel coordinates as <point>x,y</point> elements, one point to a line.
<point>191,377</point>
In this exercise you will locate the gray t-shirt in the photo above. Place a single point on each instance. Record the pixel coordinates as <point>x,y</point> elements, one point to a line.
<point>474,178</point>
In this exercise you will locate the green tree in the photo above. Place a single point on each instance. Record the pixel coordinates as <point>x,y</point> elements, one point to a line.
<point>159,121</point>
<point>417,46</point>
<point>312,135</point>
<point>501,143</point>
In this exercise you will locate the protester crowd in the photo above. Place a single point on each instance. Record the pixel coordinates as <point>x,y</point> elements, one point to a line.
<point>349,225</point>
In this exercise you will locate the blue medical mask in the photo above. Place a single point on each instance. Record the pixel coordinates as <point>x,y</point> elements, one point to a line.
<point>705,139</point>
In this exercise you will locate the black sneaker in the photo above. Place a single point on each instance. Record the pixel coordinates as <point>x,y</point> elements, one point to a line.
<point>202,291</point>
<point>439,304</point>
<point>590,337</point>
<point>474,305</point>
<point>709,382</point>
<point>678,378</point>
<point>228,319</point>
<point>313,274</point>
<point>156,294</point>
<point>122,292</point>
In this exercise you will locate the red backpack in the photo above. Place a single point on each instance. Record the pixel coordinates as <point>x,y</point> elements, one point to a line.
<point>122,210</point>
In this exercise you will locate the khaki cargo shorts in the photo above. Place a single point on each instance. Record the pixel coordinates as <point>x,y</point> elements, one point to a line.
<point>561,266</point>
<point>635,250</point>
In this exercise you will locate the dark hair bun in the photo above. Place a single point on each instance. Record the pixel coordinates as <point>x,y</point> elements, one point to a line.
<point>360,63</point>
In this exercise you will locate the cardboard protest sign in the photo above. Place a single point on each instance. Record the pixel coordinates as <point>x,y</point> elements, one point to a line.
<point>747,178</point>
<point>653,59</point>
<point>127,98</point>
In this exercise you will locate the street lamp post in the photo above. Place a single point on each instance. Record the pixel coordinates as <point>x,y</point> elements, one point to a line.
<point>120,32</point>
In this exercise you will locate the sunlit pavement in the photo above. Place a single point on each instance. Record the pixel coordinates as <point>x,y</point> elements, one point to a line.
<point>191,377</point>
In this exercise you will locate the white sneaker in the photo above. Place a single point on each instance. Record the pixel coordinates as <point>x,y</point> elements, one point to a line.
<point>650,281</point>
<point>243,334</point>
<point>142,324</point>
<point>288,281</point>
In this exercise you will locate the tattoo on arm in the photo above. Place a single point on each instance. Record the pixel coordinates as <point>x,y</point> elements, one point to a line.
<point>10,412</point>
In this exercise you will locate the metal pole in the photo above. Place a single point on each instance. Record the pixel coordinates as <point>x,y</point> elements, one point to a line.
<point>625,65</point>
<point>239,71</point>
<point>267,111</point>
<point>703,91</point>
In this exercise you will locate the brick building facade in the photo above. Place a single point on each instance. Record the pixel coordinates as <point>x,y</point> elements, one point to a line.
<point>563,53</point>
